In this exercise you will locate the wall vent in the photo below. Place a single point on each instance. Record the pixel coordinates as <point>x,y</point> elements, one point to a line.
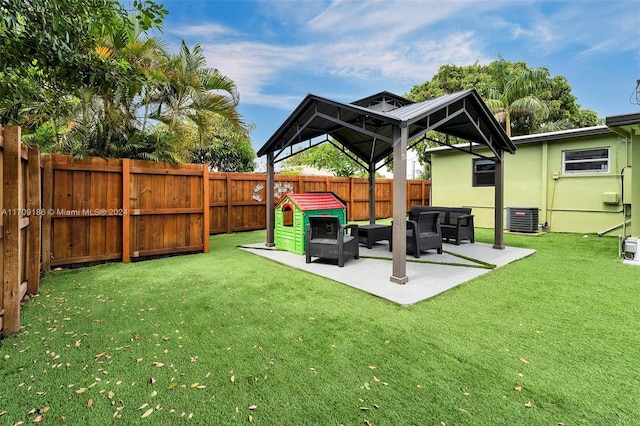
<point>522,219</point>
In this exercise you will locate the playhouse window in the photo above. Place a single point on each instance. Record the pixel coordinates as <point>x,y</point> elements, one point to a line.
<point>287,215</point>
<point>484,172</point>
<point>586,161</point>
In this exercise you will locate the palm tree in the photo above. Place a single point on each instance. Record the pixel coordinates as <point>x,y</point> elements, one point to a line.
<point>193,91</point>
<point>105,121</point>
<point>513,92</point>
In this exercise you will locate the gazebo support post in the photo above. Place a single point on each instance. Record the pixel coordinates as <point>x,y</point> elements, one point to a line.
<point>271,222</point>
<point>372,193</point>
<point>399,231</point>
<point>498,232</point>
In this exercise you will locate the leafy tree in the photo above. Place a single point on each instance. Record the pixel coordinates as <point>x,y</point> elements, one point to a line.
<point>223,145</point>
<point>561,107</point>
<point>97,84</point>
<point>450,79</point>
<point>49,49</point>
<point>328,157</point>
<point>514,92</point>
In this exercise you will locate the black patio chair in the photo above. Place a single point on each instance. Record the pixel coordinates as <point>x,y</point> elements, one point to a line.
<point>423,233</point>
<point>327,238</point>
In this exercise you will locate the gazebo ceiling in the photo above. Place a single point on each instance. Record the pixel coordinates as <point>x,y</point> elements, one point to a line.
<point>366,127</point>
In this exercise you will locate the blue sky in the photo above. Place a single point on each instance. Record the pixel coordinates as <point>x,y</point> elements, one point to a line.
<point>278,51</point>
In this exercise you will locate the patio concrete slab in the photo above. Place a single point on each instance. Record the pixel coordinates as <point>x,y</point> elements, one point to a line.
<point>430,275</point>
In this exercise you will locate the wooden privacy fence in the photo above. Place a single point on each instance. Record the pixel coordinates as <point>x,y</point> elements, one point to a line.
<point>118,209</point>
<point>238,200</point>
<point>20,198</point>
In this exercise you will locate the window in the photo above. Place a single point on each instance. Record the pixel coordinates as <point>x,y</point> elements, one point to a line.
<point>586,161</point>
<point>484,172</point>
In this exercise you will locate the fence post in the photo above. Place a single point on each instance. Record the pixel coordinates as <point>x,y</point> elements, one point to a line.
<point>126,208</point>
<point>12,176</point>
<point>47,206</point>
<point>229,205</point>
<point>351,200</point>
<point>35,221</point>
<point>206,209</point>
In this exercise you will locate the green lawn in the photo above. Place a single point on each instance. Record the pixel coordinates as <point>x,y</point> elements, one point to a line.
<point>229,337</point>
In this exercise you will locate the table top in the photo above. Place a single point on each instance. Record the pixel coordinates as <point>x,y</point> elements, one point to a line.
<point>373,226</point>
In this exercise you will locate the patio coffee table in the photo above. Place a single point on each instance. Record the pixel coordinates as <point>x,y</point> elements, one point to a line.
<point>370,234</point>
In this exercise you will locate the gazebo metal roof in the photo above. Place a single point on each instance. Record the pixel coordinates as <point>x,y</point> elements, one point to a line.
<point>365,127</point>
<point>373,128</point>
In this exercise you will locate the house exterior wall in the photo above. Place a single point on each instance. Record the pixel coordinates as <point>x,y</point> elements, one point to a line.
<point>534,178</point>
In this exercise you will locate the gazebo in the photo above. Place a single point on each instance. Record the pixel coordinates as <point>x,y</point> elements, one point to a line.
<point>373,128</point>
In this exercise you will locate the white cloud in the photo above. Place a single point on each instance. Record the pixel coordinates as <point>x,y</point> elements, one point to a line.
<point>396,40</point>
<point>253,66</point>
<point>204,30</point>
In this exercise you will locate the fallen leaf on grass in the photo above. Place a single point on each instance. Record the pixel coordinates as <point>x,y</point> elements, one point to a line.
<point>250,418</point>
<point>528,405</point>
<point>375,379</point>
<point>81,390</point>
<point>147,413</point>
<point>524,360</point>
<point>253,407</point>
<point>372,367</point>
<point>89,402</point>
<point>158,364</point>
<point>518,388</point>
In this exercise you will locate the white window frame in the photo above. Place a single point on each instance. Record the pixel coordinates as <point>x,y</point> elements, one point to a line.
<point>606,162</point>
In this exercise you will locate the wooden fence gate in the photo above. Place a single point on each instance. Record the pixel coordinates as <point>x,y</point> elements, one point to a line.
<point>119,209</point>
<point>19,225</point>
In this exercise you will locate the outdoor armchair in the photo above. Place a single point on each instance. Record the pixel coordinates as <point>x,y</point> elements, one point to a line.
<point>423,233</point>
<point>327,238</point>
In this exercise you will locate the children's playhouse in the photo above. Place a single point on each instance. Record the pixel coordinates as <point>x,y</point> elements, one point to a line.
<point>292,216</point>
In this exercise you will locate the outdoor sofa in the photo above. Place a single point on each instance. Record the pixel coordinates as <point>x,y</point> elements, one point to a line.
<point>456,223</point>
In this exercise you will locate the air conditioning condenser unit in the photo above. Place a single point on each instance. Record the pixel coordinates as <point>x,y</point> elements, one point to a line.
<point>522,219</point>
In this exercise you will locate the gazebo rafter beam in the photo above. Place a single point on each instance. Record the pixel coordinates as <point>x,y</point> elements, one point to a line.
<point>433,126</point>
<point>487,140</point>
<point>312,144</point>
<point>355,128</point>
<point>348,153</point>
